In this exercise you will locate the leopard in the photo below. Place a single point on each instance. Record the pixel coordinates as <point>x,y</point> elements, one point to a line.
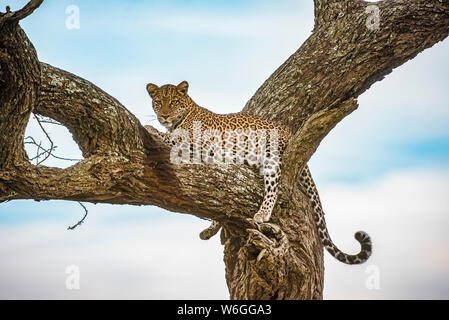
<point>177,111</point>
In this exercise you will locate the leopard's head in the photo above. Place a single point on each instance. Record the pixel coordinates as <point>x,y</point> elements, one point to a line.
<point>170,103</point>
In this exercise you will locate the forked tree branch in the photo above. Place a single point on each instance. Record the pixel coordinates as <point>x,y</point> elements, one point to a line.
<point>16,16</point>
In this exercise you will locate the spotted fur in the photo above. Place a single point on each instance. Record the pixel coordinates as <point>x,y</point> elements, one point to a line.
<point>308,187</point>
<point>176,110</point>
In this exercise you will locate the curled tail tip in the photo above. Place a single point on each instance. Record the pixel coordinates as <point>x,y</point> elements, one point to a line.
<point>365,252</point>
<point>366,247</point>
<point>362,237</point>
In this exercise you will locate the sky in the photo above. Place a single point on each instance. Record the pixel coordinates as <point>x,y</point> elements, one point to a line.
<point>384,169</point>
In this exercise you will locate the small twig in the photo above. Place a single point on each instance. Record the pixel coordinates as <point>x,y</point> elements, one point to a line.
<point>38,145</point>
<point>82,220</point>
<point>37,153</point>
<point>47,152</point>
<point>67,159</point>
<point>49,139</point>
<point>33,142</point>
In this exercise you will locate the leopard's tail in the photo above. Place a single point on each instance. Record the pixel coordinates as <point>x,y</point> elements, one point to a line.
<point>365,251</point>
<point>363,238</point>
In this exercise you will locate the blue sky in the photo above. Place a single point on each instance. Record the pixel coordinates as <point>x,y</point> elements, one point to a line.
<point>393,150</point>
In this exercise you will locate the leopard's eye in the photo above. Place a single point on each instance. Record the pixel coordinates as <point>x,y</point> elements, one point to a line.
<point>174,102</point>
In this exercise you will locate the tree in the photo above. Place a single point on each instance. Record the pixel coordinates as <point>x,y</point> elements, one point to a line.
<point>353,45</point>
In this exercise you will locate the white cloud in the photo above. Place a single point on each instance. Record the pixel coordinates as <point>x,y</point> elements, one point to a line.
<point>127,261</point>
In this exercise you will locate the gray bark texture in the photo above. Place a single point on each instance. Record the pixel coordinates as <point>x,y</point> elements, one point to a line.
<point>125,164</point>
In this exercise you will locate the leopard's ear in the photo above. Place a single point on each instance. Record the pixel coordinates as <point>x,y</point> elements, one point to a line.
<point>183,87</point>
<point>152,89</point>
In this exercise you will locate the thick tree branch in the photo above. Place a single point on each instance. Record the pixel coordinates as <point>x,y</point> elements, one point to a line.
<point>99,124</point>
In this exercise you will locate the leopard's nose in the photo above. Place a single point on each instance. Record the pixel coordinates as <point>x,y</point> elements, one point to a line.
<point>164,116</point>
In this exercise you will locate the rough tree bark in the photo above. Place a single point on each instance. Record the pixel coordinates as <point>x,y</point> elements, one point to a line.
<point>125,164</point>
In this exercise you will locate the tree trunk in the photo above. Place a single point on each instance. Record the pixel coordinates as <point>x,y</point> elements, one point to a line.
<point>351,47</point>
